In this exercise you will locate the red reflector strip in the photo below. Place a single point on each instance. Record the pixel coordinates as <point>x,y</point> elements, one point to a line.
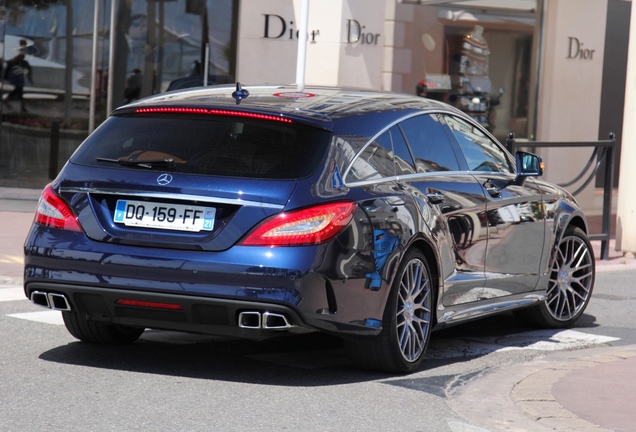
<point>207,111</point>
<point>147,304</point>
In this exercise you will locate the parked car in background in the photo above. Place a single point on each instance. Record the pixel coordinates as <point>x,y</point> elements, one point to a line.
<point>258,211</point>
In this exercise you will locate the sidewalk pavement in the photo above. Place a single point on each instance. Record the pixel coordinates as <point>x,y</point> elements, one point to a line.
<point>564,392</point>
<point>569,391</point>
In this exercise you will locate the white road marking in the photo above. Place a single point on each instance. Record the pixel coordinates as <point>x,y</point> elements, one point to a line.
<point>12,294</point>
<point>563,340</point>
<point>543,340</point>
<point>46,317</point>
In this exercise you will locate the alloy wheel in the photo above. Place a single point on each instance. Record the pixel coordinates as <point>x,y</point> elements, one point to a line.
<point>571,278</point>
<point>413,320</point>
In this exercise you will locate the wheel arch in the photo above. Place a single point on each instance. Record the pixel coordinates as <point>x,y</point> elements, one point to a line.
<point>578,222</point>
<point>431,256</point>
<point>568,217</point>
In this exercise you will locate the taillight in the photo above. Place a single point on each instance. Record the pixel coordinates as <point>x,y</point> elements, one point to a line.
<point>210,111</point>
<point>307,226</point>
<point>148,304</point>
<point>52,211</point>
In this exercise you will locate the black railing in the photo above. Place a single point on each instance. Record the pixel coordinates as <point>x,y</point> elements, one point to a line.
<point>603,152</point>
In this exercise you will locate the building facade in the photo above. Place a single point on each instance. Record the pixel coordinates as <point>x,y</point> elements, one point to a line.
<point>548,70</point>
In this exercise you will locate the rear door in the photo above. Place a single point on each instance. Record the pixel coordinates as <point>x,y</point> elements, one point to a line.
<point>453,205</point>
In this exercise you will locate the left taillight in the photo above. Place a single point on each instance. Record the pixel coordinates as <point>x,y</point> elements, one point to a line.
<point>52,211</point>
<point>313,225</point>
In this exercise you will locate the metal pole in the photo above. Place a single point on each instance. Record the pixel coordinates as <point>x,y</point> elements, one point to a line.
<point>93,98</point>
<point>68,75</point>
<point>111,56</point>
<point>54,148</point>
<point>539,49</point>
<point>302,46</point>
<point>607,198</point>
<point>206,67</point>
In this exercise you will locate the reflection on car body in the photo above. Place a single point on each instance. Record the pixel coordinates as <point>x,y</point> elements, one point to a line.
<point>362,214</point>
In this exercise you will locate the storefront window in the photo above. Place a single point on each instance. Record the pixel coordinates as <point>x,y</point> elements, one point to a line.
<point>475,57</point>
<point>47,52</point>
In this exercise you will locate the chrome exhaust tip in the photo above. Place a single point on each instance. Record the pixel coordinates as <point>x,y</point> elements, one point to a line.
<point>263,320</point>
<point>250,320</point>
<point>40,298</point>
<point>59,302</point>
<point>275,321</point>
<point>50,301</point>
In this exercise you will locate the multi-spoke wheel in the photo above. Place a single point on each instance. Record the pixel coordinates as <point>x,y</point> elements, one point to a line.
<point>572,272</point>
<point>407,322</point>
<point>413,314</point>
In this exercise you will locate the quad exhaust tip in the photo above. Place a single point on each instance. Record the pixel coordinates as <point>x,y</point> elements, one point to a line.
<point>53,301</point>
<point>263,320</point>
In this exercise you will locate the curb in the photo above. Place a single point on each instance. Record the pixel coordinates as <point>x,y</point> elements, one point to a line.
<point>534,394</point>
<point>522,398</point>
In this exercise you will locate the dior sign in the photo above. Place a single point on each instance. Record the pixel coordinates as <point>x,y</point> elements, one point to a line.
<point>276,27</point>
<point>356,33</point>
<point>576,50</point>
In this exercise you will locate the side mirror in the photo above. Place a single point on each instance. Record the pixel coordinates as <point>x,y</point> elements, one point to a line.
<point>528,165</point>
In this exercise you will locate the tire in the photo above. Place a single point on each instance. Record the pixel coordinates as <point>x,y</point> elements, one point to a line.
<point>572,274</point>
<point>406,324</point>
<point>100,333</point>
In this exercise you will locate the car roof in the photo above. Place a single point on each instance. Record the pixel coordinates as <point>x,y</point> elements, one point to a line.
<point>321,106</point>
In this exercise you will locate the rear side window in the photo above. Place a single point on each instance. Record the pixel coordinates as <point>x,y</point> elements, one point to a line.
<point>374,162</point>
<point>208,145</point>
<point>430,145</point>
<point>386,156</point>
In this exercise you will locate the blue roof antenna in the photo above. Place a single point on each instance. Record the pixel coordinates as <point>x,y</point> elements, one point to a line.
<point>240,94</point>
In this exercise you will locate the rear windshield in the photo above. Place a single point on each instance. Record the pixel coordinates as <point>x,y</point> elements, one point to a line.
<point>219,146</point>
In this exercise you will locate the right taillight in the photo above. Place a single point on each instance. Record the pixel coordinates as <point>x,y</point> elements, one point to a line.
<point>52,211</point>
<point>308,226</point>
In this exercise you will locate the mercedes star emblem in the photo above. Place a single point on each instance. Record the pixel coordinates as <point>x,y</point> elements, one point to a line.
<point>164,179</point>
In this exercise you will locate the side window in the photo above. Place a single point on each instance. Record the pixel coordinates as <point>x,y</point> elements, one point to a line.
<point>429,143</point>
<point>386,156</point>
<point>403,159</point>
<point>375,162</point>
<point>482,154</point>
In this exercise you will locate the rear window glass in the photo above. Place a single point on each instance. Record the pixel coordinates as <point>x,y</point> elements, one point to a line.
<point>207,145</point>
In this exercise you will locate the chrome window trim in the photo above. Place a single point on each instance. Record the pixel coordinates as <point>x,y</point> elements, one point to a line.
<point>414,177</point>
<point>172,196</point>
<point>389,126</point>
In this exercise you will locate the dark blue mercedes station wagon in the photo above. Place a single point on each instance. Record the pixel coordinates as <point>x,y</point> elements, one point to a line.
<point>257,211</point>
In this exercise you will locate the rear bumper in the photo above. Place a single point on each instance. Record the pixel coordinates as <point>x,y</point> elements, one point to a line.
<point>322,287</point>
<point>194,314</point>
<point>246,319</point>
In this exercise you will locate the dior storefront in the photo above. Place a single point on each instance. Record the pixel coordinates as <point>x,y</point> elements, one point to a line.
<point>536,68</point>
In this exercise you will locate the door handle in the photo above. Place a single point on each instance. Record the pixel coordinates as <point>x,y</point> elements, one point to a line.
<point>492,190</point>
<point>435,197</point>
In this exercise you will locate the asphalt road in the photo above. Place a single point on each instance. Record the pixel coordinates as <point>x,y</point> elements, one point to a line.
<point>175,382</point>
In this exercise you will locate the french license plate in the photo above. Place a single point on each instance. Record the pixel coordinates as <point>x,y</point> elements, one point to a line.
<point>165,216</point>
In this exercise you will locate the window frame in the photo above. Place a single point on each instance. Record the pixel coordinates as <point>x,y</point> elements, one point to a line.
<point>493,141</point>
<point>459,154</point>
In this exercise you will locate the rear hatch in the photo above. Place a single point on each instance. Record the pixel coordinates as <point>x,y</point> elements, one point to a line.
<point>187,180</point>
